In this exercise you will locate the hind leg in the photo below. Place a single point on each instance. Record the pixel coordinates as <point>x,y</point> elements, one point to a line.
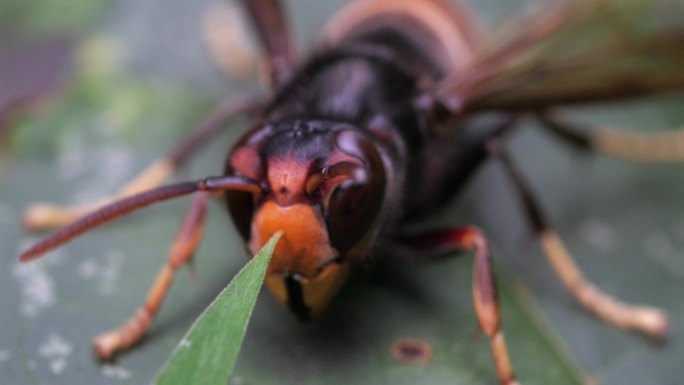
<point>648,320</point>
<point>659,147</point>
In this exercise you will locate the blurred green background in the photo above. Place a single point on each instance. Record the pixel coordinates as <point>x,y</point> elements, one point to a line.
<point>142,74</point>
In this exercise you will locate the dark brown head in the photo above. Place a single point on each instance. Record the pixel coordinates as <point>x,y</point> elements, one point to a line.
<point>323,186</point>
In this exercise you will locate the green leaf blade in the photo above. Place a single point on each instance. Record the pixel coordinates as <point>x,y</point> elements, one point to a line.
<point>207,353</point>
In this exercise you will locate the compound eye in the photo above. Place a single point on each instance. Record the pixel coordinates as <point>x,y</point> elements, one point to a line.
<point>354,205</point>
<point>352,212</point>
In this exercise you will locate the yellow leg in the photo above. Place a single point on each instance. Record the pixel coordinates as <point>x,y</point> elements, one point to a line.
<point>646,319</point>
<point>649,320</point>
<point>45,216</point>
<point>653,147</point>
<point>184,246</point>
<point>660,147</point>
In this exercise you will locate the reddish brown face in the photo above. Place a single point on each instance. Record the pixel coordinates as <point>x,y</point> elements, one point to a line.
<point>324,191</point>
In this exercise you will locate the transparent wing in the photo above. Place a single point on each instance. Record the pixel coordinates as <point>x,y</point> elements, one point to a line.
<point>574,52</point>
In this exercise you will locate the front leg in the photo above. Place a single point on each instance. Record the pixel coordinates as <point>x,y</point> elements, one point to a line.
<point>485,293</point>
<point>186,242</point>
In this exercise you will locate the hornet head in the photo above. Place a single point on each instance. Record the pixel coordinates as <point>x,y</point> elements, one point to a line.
<point>324,187</point>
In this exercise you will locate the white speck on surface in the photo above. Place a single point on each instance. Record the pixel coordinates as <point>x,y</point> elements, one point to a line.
<point>185,343</point>
<point>5,355</point>
<point>111,272</point>
<point>108,170</point>
<point>54,346</point>
<point>37,287</point>
<point>106,273</point>
<point>57,365</point>
<point>661,248</point>
<point>88,269</point>
<point>115,372</point>
<point>56,350</point>
<point>599,235</point>
<point>115,162</point>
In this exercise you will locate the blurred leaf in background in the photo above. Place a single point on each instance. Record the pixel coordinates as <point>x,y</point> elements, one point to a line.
<point>142,75</point>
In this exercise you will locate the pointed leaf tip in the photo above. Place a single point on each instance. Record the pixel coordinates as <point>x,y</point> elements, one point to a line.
<point>206,355</point>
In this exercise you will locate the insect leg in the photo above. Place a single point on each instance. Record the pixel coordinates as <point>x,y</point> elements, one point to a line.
<point>485,295</point>
<point>181,252</point>
<point>274,34</point>
<point>649,320</point>
<point>660,147</point>
<point>44,216</point>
